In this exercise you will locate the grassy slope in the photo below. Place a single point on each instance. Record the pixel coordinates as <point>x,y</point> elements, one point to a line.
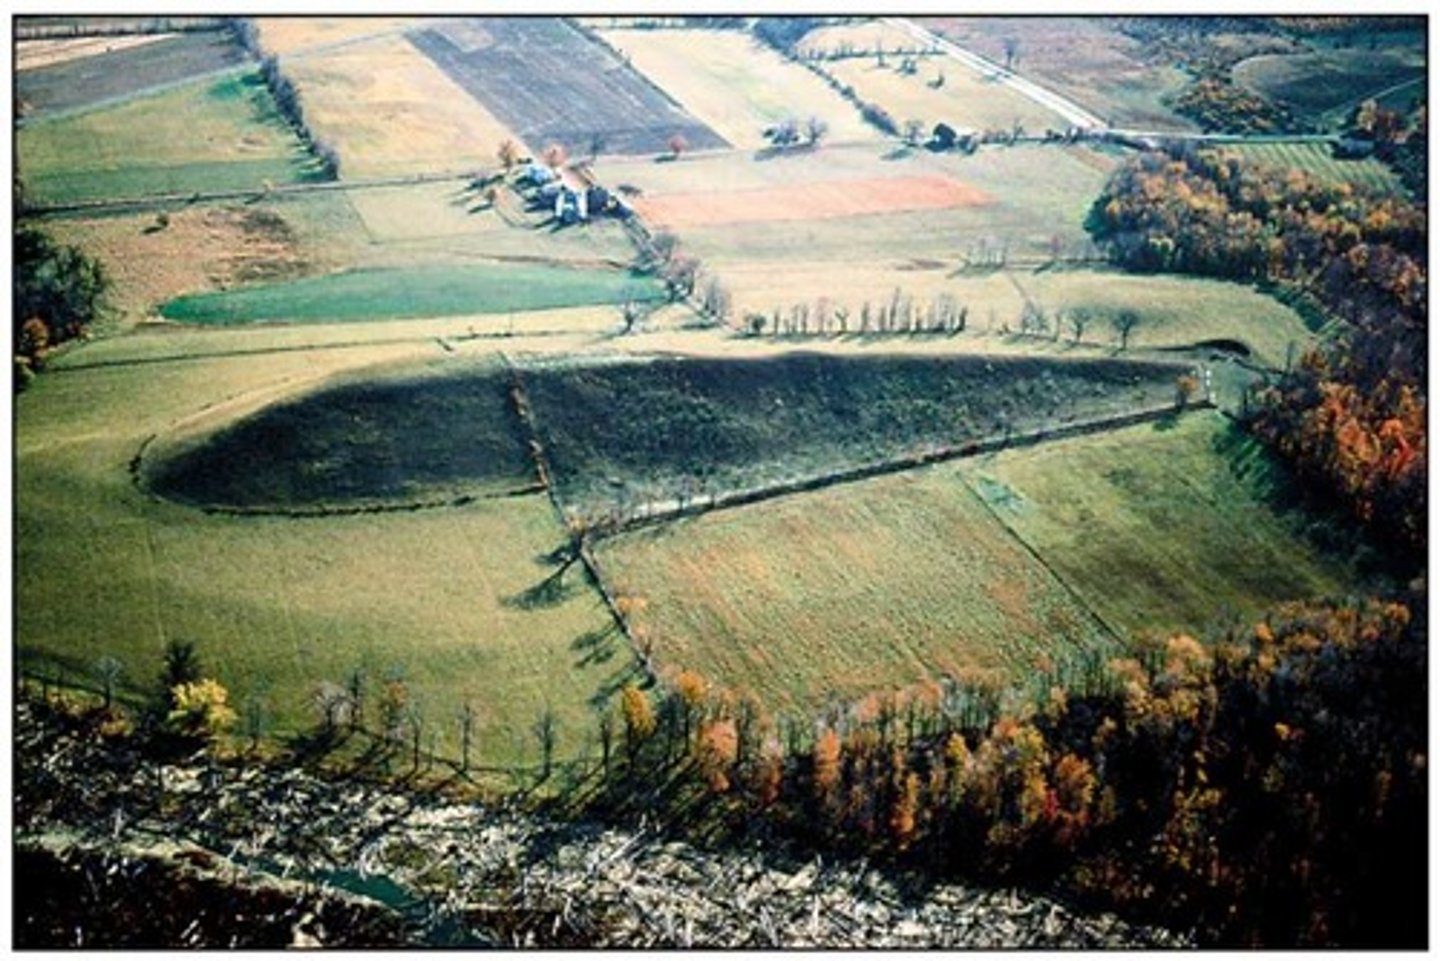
<point>436,291</point>
<point>1159,529</point>
<point>210,135</point>
<point>101,568</point>
<point>625,432</point>
<point>880,582</point>
<point>840,592</point>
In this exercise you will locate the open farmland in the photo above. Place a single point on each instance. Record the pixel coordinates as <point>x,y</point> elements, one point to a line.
<point>964,99</point>
<point>430,291</point>
<point>815,201</point>
<point>860,38</point>
<point>1161,527</point>
<point>33,54</point>
<point>1036,195</point>
<point>822,598</point>
<point>1318,160</point>
<point>130,68</point>
<point>212,134</point>
<point>735,84</point>
<point>1085,58</point>
<point>389,110</point>
<point>1322,87</point>
<point>550,83</point>
<point>277,605</point>
<point>291,36</point>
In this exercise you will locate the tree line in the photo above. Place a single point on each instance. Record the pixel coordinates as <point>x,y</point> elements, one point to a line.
<point>1262,788</point>
<point>286,96</point>
<point>1350,417</point>
<point>59,294</point>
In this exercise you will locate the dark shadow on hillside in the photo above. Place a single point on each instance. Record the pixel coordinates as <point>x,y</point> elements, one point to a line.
<point>597,646</point>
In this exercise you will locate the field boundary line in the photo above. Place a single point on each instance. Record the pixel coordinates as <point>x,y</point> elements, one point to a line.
<point>580,542</point>
<point>664,513</point>
<point>1114,633</point>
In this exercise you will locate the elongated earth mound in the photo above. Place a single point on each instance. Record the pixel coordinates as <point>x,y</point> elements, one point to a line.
<point>627,430</point>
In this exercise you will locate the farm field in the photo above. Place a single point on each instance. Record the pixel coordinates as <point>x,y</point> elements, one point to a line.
<point>277,605</point>
<point>298,36</point>
<point>956,570</point>
<point>859,37</point>
<point>1037,194</point>
<point>819,599</point>
<point>1160,529</point>
<point>1084,58</point>
<point>1322,87</point>
<point>134,65</point>
<point>1319,161</point>
<point>818,201</point>
<point>210,247</point>
<point>33,54</point>
<point>422,291</point>
<point>550,83</point>
<point>450,221</point>
<point>965,100</point>
<point>390,111</point>
<point>736,85</point>
<point>207,135</point>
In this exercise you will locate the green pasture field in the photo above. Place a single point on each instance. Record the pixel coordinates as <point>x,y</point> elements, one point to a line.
<point>277,605</point>
<point>427,291</point>
<point>987,567</point>
<point>1319,161</point>
<point>1163,527</point>
<point>821,598</point>
<point>211,135</point>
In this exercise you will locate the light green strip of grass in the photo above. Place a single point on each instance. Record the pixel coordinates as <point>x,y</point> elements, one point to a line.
<point>440,291</point>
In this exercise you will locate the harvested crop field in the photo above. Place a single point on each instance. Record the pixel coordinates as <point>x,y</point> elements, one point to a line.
<point>389,110</point>
<point>815,201</point>
<point>1085,58</point>
<point>822,598</point>
<point>128,69</point>
<point>735,84</point>
<point>33,54</point>
<point>291,36</point>
<point>550,83</point>
<point>963,98</point>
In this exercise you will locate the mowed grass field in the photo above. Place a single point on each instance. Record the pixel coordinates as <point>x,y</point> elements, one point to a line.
<point>1318,160</point>
<point>433,291</point>
<point>825,597</point>
<point>988,567</point>
<point>276,605</point>
<point>213,134</point>
<point>1084,58</point>
<point>735,84</point>
<point>285,36</point>
<point>964,99</point>
<point>388,109</point>
<point>1161,527</point>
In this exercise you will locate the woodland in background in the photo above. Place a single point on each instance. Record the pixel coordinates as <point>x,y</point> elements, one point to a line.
<point>1350,416</point>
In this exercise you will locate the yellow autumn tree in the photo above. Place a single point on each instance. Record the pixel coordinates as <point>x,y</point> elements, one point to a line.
<point>201,709</point>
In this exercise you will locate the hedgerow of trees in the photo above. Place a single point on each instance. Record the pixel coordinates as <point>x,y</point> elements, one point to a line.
<point>286,96</point>
<point>1351,416</point>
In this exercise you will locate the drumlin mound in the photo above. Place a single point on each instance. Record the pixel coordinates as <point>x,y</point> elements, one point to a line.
<point>810,201</point>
